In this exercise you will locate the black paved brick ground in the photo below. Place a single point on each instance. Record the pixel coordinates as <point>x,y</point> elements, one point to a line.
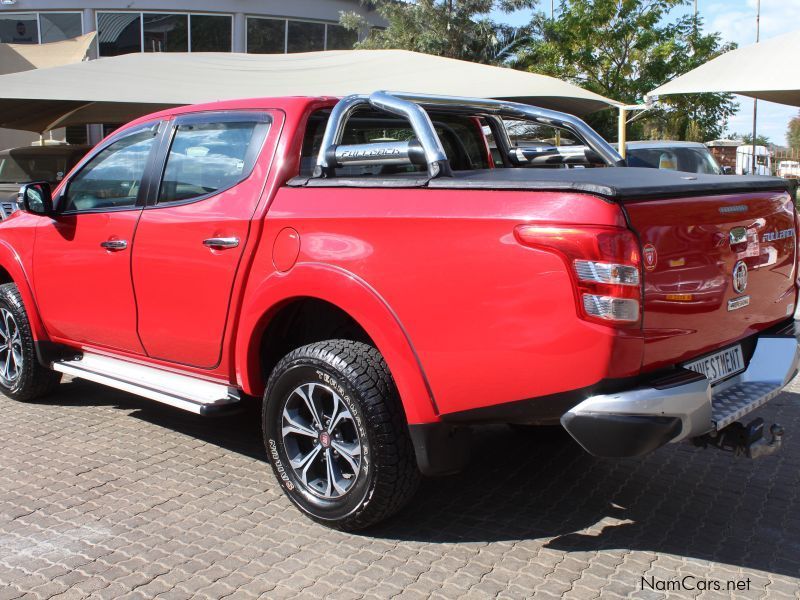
<point>104,495</point>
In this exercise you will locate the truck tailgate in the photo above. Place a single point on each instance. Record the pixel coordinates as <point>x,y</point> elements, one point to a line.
<point>716,269</point>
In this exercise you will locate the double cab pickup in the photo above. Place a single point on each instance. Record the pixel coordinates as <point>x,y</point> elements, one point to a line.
<point>384,272</point>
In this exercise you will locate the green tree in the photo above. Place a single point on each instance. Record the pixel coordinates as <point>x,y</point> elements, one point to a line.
<point>747,138</point>
<point>793,132</point>
<point>453,28</point>
<point>622,49</point>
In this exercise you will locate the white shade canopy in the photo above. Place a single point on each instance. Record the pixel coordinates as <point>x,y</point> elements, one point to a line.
<point>23,57</point>
<point>125,87</point>
<point>766,71</point>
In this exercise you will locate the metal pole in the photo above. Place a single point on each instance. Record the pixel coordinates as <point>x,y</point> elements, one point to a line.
<point>755,102</point>
<point>621,131</point>
<point>552,9</point>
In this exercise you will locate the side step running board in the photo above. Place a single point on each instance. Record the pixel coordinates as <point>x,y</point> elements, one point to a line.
<point>188,393</point>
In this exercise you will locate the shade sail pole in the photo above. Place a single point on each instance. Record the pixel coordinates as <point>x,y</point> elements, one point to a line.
<point>755,100</point>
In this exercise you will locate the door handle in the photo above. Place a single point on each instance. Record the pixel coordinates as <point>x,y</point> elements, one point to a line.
<point>220,243</point>
<point>114,245</point>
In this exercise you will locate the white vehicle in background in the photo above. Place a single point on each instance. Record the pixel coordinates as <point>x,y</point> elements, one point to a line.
<point>789,169</point>
<point>744,160</point>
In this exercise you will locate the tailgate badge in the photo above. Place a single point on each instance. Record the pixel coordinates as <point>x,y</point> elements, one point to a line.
<point>650,257</point>
<point>740,277</point>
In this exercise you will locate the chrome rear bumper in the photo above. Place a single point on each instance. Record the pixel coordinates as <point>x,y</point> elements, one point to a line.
<point>637,421</point>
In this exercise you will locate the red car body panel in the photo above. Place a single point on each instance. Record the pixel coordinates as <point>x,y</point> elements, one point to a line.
<point>465,315</point>
<point>695,260</point>
<point>67,256</point>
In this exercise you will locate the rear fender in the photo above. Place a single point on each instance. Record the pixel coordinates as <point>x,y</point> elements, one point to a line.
<point>352,295</point>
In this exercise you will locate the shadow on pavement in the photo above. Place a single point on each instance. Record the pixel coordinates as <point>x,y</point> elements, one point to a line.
<point>680,500</point>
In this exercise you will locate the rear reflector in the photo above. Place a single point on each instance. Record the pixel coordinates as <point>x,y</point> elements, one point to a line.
<point>623,310</point>
<point>602,272</point>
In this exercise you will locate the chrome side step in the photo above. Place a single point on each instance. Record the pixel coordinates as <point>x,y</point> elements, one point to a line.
<point>187,393</point>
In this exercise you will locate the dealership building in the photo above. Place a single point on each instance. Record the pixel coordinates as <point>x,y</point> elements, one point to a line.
<point>125,26</point>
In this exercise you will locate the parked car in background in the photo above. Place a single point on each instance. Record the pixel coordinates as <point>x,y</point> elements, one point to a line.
<point>744,160</point>
<point>692,157</point>
<point>34,163</point>
<point>789,169</point>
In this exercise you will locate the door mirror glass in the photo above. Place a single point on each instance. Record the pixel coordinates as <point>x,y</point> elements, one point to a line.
<point>36,198</point>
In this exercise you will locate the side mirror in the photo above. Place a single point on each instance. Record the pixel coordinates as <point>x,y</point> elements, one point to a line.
<point>36,198</point>
<point>727,170</point>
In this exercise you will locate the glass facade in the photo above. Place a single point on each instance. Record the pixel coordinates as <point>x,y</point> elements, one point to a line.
<point>339,38</point>
<point>269,36</point>
<point>123,32</point>
<point>305,36</point>
<point>19,28</point>
<point>55,27</point>
<point>165,32</point>
<point>266,36</point>
<point>119,33</point>
<point>211,33</point>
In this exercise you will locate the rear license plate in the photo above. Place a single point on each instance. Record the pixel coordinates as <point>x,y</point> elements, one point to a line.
<point>719,365</point>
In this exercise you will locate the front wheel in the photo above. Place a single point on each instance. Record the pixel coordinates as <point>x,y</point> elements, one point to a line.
<point>21,376</point>
<point>336,434</point>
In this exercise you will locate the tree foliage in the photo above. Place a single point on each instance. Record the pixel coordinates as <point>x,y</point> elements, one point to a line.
<point>793,132</point>
<point>747,138</point>
<point>453,28</point>
<point>622,49</point>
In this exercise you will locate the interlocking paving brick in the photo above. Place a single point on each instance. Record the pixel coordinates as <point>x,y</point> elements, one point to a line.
<point>104,495</point>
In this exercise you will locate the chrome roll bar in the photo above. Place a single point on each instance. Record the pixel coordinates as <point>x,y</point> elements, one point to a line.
<point>414,108</point>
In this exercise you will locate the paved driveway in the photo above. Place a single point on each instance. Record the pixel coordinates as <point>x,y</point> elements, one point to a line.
<point>109,496</point>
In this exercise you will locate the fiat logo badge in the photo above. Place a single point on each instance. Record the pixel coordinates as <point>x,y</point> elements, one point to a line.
<point>650,257</point>
<point>740,277</point>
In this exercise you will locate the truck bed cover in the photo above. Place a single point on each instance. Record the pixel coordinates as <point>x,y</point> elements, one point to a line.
<point>619,183</point>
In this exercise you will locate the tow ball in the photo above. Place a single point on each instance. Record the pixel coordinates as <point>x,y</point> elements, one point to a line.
<point>744,440</point>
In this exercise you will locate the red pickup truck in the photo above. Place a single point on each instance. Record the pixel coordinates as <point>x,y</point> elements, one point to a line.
<point>387,271</point>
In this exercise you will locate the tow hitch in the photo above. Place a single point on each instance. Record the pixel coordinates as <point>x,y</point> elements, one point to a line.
<point>744,440</point>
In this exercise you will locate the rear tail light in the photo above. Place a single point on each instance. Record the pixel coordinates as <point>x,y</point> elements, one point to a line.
<point>603,263</point>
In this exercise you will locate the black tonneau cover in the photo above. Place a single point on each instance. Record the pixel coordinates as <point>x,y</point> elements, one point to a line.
<point>619,183</point>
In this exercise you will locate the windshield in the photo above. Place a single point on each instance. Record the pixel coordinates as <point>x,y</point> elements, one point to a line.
<point>24,168</point>
<point>691,160</point>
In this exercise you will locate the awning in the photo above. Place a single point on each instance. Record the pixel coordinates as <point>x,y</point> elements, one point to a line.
<point>134,84</point>
<point>766,71</point>
<point>24,57</point>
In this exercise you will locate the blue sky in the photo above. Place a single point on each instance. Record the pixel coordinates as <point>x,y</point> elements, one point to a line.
<point>736,21</point>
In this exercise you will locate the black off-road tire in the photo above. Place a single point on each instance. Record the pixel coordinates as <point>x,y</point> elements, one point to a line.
<point>33,381</point>
<point>388,476</point>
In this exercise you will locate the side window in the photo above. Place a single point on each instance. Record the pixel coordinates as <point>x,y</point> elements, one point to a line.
<point>112,179</point>
<point>208,157</point>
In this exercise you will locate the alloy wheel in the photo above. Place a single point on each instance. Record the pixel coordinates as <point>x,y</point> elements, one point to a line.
<point>10,349</point>
<point>321,440</point>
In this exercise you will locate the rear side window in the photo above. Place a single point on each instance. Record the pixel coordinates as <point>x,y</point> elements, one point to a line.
<point>461,139</point>
<point>206,158</point>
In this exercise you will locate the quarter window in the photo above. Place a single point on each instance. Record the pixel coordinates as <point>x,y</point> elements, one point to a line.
<point>209,157</point>
<point>112,179</point>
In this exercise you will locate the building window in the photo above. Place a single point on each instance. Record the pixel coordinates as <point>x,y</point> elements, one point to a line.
<point>266,36</point>
<point>55,27</point>
<point>339,38</point>
<point>119,33</point>
<point>305,36</point>
<point>20,28</point>
<point>165,32</point>
<point>211,33</point>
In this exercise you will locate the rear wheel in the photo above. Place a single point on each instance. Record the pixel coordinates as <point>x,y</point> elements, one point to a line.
<point>21,376</point>
<point>336,434</point>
